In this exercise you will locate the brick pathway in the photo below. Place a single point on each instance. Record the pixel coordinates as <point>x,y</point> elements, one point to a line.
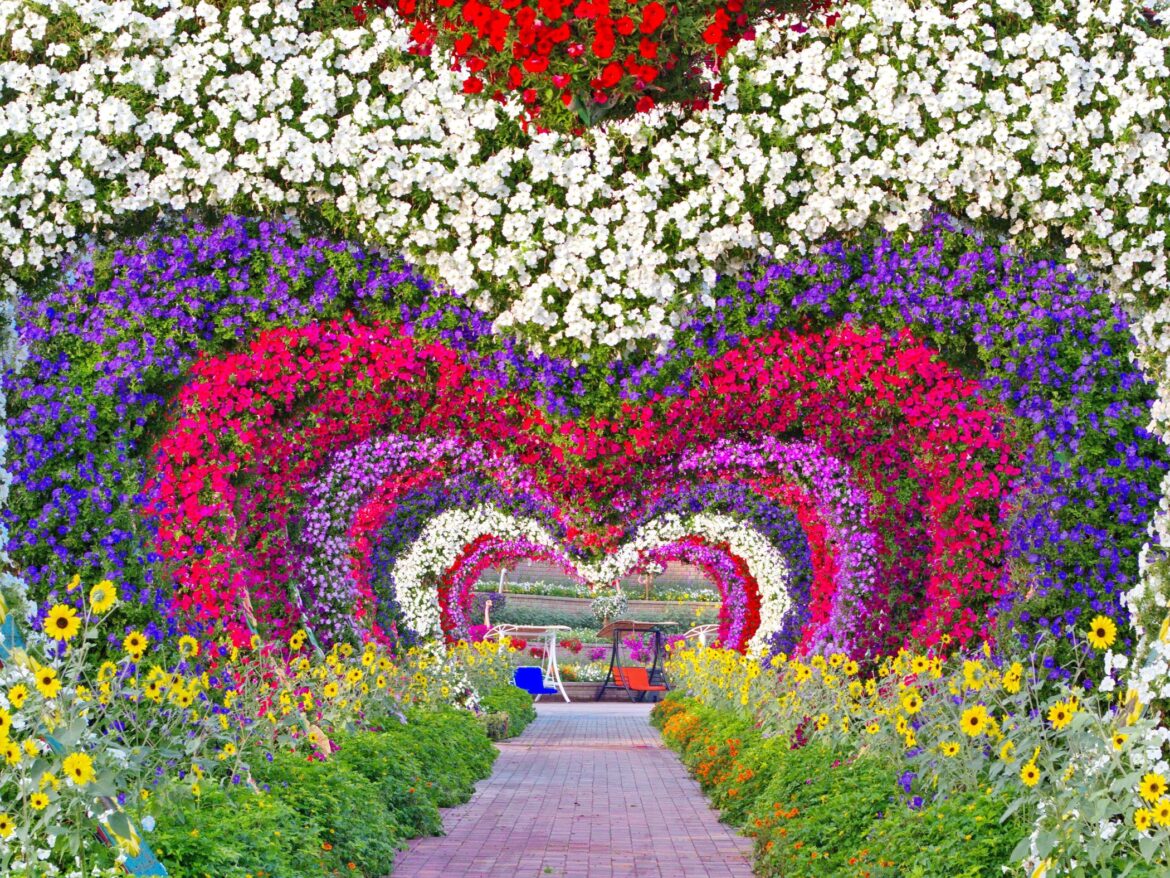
<point>588,791</point>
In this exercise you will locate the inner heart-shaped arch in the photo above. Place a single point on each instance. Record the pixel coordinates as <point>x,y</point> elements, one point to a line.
<point>445,539</point>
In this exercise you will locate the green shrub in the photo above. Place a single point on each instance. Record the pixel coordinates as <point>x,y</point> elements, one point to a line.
<point>960,837</point>
<point>513,701</point>
<point>234,833</point>
<point>399,778</point>
<point>356,823</point>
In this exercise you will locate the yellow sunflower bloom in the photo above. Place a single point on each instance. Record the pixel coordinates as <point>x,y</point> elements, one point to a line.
<point>1102,632</point>
<point>974,720</point>
<point>47,683</point>
<point>949,748</point>
<point>1061,714</point>
<point>1152,787</point>
<point>1162,812</point>
<point>38,801</point>
<point>7,826</point>
<point>1029,774</point>
<point>62,623</point>
<point>18,695</point>
<point>102,597</point>
<point>135,645</point>
<point>79,768</point>
<point>1143,819</point>
<point>188,646</point>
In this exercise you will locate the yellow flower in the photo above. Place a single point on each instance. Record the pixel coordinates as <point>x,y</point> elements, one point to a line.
<point>31,747</point>
<point>11,752</point>
<point>296,641</point>
<point>62,623</point>
<point>919,664</point>
<point>134,645</point>
<point>1102,632</point>
<point>17,695</point>
<point>48,779</point>
<point>1162,812</point>
<point>5,723</point>
<point>1007,752</point>
<point>47,683</point>
<point>1029,774</point>
<point>974,720</point>
<point>38,801</point>
<point>949,748</point>
<point>79,768</point>
<point>1152,787</point>
<point>188,646</point>
<point>7,826</point>
<point>103,596</point>
<point>1013,677</point>
<point>1143,818</point>
<point>873,728</point>
<point>1061,714</point>
<point>911,701</point>
<point>974,675</point>
<point>850,669</point>
<point>1119,739</point>
<point>330,690</point>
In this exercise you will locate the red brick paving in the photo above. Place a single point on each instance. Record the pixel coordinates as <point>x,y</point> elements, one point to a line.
<point>588,791</point>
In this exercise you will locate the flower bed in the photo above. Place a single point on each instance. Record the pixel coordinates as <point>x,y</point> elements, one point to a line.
<point>932,766</point>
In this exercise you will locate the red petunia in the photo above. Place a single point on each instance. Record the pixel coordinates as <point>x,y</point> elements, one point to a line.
<point>648,49</point>
<point>359,14</point>
<point>652,17</point>
<point>611,75</point>
<point>472,85</point>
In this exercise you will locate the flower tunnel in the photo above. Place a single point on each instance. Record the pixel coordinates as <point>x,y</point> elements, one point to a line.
<point>856,458</point>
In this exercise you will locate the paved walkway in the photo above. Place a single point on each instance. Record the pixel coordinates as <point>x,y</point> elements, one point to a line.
<point>588,791</point>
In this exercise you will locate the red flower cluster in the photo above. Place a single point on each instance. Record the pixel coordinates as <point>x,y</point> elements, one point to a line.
<point>574,62</point>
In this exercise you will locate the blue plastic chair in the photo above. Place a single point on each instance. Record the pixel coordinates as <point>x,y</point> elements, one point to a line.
<point>531,680</point>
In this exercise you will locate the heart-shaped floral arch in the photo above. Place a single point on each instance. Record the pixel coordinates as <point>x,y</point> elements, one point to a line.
<point>909,498</point>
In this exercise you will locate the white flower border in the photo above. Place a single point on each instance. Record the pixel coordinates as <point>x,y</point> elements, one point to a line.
<point>445,536</point>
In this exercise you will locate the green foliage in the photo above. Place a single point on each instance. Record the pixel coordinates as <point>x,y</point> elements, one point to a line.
<point>831,810</point>
<point>515,703</point>
<point>399,778</point>
<point>234,833</point>
<point>356,822</point>
<point>313,818</point>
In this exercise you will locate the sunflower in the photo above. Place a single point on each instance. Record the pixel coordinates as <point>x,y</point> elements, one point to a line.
<point>330,690</point>
<point>1029,774</point>
<point>974,720</point>
<point>47,683</point>
<point>18,695</point>
<point>7,826</point>
<point>1143,818</point>
<point>62,623</point>
<point>1152,787</point>
<point>188,646</point>
<point>11,752</point>
<point>1102,632</point>
<point>1007,752</point>
<point>1061,714</point>
<point>911,701</point>
<point>850,668</point>
<point>974,675</point>
<point>1119,739</point>
<point>79,768</point>
<point>134,645</point>
<point>103,596</point>
<point>296,641</point>
<point>949,748</point>
<point>38,801</point>
<point>1162,812</point>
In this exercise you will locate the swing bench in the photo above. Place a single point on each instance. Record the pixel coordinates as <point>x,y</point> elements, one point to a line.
<point>637,681</point>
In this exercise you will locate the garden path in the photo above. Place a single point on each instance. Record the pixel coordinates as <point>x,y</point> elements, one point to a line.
<point>588,791</point>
